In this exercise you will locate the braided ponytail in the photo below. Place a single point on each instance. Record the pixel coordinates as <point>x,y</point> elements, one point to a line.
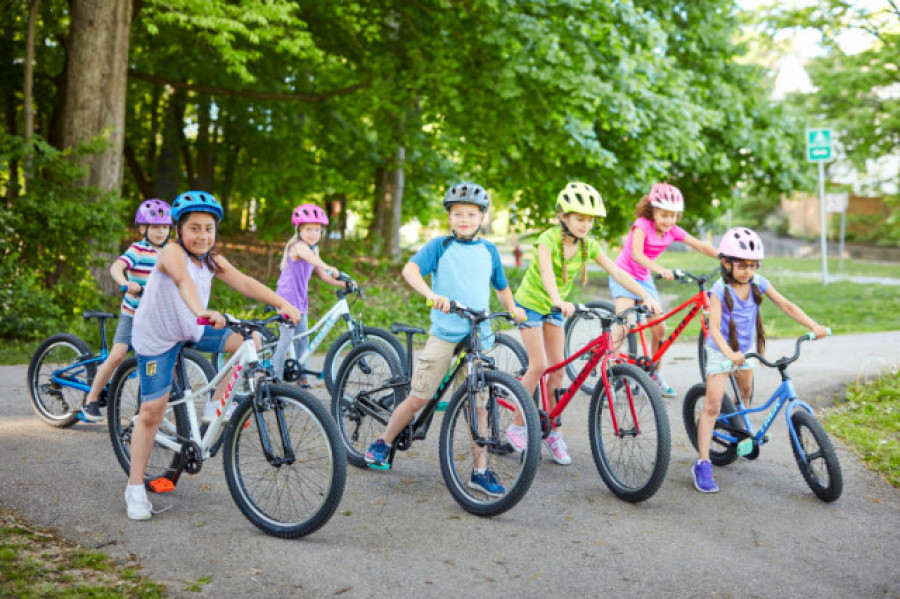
<point>732,329</point>
<point>760,331</point>
<point>583,263</point>
<point>562,258</point>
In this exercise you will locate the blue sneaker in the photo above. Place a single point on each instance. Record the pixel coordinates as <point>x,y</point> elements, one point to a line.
<point>703,477</point>
<point>378,453</point>
<point>486,483</point>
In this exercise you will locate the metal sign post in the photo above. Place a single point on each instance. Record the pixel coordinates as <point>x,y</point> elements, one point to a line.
<point>818,149</point>
<point>838,202</point>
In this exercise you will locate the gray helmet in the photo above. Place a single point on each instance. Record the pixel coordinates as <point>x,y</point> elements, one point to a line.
<point>467,193</point>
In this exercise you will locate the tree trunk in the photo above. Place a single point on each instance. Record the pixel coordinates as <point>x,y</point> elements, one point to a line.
<point>28,107</point>
<point>375,225</point>
<point>168,169</point>
<point>205,148</point>
<point>393,205</point>
<point>96,86</point>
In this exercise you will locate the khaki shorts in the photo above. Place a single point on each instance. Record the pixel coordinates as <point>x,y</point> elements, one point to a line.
<point>432,366</point>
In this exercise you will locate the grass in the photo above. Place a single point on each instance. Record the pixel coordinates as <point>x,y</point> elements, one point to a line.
<point>36,563</point>
<point>868,420</point>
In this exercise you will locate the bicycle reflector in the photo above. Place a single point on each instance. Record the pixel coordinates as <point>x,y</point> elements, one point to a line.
<point>161,485</point>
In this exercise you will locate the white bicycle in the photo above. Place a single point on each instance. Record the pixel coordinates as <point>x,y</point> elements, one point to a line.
<point>284,462</point>
<point>357,333</point>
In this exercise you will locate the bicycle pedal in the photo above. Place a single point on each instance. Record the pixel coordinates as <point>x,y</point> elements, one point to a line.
<point>381,467</point>
<point>161,485</point>
<point>745,447</point>
<point>79,415</point>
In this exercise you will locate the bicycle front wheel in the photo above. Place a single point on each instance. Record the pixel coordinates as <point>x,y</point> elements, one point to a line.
<point>581,330</point>
<point>284,463</point>
<point>496,405</point>
<point>55,402</point>
<point>340,349</point>
<point>122,415</point>
<point>365,396</point>
<point>721,452</point>
<point>509,355</point>
<point>633,461</point>
<point>816,457</point>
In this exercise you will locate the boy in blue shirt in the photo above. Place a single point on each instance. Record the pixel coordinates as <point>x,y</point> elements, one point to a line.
<point>463,269</point>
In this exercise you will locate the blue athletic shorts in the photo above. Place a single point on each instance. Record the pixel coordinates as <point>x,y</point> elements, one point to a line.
<point>617,290</point>
<point>156,372</point>
<point>534,319</point>
<point>123,329</point>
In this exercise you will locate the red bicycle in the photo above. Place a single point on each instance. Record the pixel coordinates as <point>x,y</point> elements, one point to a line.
<point>580,330</point>
<point>627,421</point>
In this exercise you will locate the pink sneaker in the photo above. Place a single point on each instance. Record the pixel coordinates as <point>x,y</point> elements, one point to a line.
<point>558,450</point>
<point>517,437</point>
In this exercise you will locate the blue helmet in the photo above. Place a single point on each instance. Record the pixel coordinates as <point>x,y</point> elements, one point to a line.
<point>196,201</point>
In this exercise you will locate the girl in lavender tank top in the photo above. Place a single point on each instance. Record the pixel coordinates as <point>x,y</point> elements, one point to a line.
<point>175,297</point>
<point>301,257</point>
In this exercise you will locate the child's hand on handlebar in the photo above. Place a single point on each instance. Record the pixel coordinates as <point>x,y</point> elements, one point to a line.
<point>819,331</point>
<point>519,314</point>
<point>736,357</point>
<point>567,308</point>
<point>439,302</point>
<point>217,321</point>
<point>132,288</point>
<point>291,312</point>
<point>667,274</point>
<point>653,305</point>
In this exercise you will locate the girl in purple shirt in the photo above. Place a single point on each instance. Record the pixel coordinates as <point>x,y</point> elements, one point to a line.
<point>735,328</point>
<point>301,257</point>
<point>653,231</point>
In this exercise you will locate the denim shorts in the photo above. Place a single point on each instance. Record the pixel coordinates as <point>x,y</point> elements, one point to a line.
<point>534,319</point>
<point>714,359</point>
<point>616,290</point>
<point>123,329</point>
<point>156,372</point>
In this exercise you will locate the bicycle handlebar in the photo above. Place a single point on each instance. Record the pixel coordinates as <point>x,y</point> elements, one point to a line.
<point>683,276</point>
<point>780,362</point>
<point>475,316</point>
<point>245,327</point>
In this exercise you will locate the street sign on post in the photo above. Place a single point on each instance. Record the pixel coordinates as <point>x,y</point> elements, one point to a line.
<point>818,145</point>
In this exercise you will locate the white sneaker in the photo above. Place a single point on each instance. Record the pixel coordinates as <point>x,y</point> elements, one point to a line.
<point>664,387</point>
<point>137,504</point>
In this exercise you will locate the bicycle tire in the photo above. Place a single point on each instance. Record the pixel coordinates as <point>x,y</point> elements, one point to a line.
<point>124,405</point>
<point>633,464</point>
<point>361,419</point>
<point>701,354</point>
<point>579,331</point>
<point>287,499</point>
<point>338,351</point>
<point>721,452</point>
<point>825,479</point>
<point>55,404</point>
<point>509,355</point>
<point>504,395</point>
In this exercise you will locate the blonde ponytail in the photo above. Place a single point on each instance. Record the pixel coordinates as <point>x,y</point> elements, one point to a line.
<point>287,248</point>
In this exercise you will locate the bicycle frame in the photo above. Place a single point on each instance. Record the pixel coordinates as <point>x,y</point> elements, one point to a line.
<point>341,309</point>
<point>68,376</point>
<point>698,302</point>
<point>601,352</point>
<point>783,395</point>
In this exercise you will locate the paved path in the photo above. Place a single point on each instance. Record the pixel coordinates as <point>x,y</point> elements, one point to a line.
<point>401,533</point>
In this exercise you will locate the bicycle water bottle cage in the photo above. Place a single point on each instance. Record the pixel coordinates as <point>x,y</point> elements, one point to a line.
<point>559,392</point>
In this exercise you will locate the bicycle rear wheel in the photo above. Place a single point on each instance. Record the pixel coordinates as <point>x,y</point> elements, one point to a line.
<point>297,489</point>
<point>579,331</point>
<point>364,398</point>
<point>721,452</point>
<point>54,402</point>
<point>340,349</point>
<point>632,463</point>
<point>816,457</point>
<point>122,413</point>
<point>497,404</point>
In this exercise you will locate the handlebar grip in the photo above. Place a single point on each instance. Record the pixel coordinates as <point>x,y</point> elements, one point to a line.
<point>204,320</point>
<point>123,287</point>
<point>812,336</point>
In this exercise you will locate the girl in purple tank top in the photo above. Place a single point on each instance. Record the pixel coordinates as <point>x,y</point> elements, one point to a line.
<point>301,257</point>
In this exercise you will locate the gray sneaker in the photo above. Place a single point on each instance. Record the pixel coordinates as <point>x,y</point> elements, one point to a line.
<point>91,412</point>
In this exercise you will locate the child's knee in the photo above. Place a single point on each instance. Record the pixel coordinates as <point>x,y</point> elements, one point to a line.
<point>416,403</point>
<point>117,353</point>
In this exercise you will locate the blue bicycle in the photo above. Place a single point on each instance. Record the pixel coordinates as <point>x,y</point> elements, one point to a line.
<point>62,370</point>
<point>734,436</point>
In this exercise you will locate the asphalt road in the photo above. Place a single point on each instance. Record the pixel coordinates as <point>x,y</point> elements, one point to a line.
<point>400,532</point>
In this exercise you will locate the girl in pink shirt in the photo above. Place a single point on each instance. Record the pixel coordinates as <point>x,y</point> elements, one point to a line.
<point>653,231</point>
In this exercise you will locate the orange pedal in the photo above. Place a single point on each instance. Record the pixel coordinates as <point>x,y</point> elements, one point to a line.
<point>161,485</point>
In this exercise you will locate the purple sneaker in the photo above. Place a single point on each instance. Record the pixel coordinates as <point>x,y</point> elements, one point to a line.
<point>703,477</point>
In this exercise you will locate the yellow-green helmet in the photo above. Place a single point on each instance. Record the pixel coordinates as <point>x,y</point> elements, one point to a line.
<point>581,198</point>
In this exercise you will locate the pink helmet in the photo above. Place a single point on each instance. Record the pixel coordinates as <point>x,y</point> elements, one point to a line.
<point>153,212</point>
<point>667,197</point>
<point>742,243</point>
<point>308,213</point>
